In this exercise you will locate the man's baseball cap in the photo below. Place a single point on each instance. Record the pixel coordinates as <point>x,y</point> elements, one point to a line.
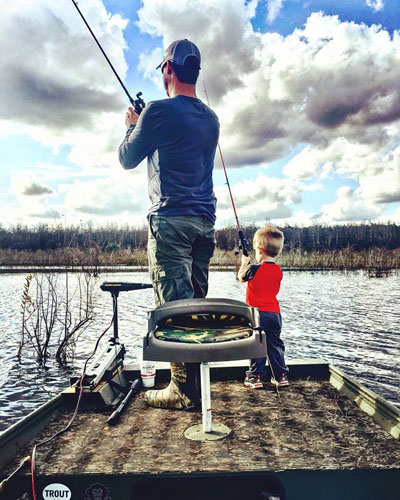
<point>178,51</point>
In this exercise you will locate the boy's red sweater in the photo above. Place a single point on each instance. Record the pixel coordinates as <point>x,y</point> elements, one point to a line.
<point>264,281</point>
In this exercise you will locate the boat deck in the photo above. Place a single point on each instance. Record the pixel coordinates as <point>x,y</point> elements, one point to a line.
<point>308,425</point>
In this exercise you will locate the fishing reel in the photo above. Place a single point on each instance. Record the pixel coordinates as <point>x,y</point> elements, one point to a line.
<point>138,103</point>
<point>243,244</point>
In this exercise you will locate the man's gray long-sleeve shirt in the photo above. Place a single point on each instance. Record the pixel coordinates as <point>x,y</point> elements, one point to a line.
<point>179,136</point>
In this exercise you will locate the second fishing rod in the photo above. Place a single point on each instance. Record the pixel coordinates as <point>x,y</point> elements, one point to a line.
<point>243,243</point>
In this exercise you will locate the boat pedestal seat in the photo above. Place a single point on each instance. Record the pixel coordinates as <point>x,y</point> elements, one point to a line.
<point>204,331</point>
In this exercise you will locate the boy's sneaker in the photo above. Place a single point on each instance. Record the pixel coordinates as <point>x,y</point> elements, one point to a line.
<point>282,381</point>
<point>254,382</point>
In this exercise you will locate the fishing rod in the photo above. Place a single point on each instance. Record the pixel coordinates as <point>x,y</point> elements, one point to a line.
<point>138,103</point>
<point>243,243</point>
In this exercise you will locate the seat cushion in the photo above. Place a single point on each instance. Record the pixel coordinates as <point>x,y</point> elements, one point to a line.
<point>202,335</point>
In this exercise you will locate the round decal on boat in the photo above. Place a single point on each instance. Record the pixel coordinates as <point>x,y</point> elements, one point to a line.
<point>56,490</point>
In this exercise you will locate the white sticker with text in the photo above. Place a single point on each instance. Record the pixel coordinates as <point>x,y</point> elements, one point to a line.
<point>56,490</point>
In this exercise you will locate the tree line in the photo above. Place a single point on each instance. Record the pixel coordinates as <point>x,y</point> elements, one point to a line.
<point>110,238</point>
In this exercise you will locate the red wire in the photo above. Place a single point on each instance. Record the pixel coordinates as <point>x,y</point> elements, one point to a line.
<point>33,458</point>
<point>33,461</point>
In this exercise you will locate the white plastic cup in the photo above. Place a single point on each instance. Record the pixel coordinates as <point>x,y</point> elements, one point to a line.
<point>148,373</point>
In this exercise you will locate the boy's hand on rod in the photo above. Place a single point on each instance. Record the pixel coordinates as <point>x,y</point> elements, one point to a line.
<point>245,260</point>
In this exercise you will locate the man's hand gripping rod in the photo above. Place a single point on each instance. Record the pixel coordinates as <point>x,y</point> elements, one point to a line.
<point>138,103</point>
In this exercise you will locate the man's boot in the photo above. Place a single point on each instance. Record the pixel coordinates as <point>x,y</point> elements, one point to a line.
<point>182,392</point>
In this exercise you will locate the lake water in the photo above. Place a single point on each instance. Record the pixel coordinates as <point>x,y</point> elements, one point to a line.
<point>348,319</point>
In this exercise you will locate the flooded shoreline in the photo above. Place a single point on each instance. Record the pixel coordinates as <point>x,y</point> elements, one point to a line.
<point>139,269</point>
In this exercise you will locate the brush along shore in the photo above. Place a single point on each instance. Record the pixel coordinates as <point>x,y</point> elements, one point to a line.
<point>373,259</point>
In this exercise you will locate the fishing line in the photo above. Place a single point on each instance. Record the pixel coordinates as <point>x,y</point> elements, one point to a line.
<point>243,241</point>
<point>276,383</point>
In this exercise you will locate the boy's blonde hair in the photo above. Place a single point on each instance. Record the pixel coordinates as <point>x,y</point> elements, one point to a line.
<point>270,239</point>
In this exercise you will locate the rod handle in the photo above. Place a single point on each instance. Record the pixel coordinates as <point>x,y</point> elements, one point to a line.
<point>135,387</point>
<point>243,244</point>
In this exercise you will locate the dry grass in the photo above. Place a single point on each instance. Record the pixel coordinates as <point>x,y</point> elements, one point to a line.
<point>68,257</point>
<point>375,260</point>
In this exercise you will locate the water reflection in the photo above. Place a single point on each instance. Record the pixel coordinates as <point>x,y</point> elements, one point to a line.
<point>346,318</point>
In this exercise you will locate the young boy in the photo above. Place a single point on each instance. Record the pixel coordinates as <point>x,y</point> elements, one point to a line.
<point>263,283</point>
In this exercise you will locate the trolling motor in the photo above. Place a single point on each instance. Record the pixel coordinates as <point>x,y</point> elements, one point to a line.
<point>104,376</point>
<point>138,103</point>
<point>110,360</point>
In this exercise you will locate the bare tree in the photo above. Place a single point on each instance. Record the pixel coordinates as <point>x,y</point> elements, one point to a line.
<point>52,322</point>
<point>78,313</point>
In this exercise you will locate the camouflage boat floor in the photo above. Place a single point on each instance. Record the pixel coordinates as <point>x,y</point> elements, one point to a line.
<point>311,426</point>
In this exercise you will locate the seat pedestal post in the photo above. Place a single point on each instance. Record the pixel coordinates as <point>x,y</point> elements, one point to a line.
<point>206,397</point>
<point>207,431</point>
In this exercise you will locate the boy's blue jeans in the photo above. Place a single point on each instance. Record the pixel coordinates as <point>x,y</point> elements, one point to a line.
<point>271,323</point>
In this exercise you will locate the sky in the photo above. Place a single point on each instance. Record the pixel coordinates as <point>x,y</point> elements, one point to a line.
<point>307,93</point>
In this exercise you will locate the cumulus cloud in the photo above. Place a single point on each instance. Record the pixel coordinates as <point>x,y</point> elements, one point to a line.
<point>221,29</point>
<point>56,85</point>
<point>349,207</point>
<point>376,171</point>
<point>147,63</point>
<point>259,199</point>
<point>376,4</point>
<point>327,80</point>
<point>381,182</point>
<point>32,199</point>
<point>119,194</point>
<point>23,185</point>
<point>273,8</point>
<point>122,194</point>
<point>58,78</point>
<point>35,189</point>
<point>50,100</point>
<point>341,156</point>
<point>330,86</point>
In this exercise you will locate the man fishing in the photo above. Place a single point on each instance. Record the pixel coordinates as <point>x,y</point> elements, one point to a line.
<point>179,136</point>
